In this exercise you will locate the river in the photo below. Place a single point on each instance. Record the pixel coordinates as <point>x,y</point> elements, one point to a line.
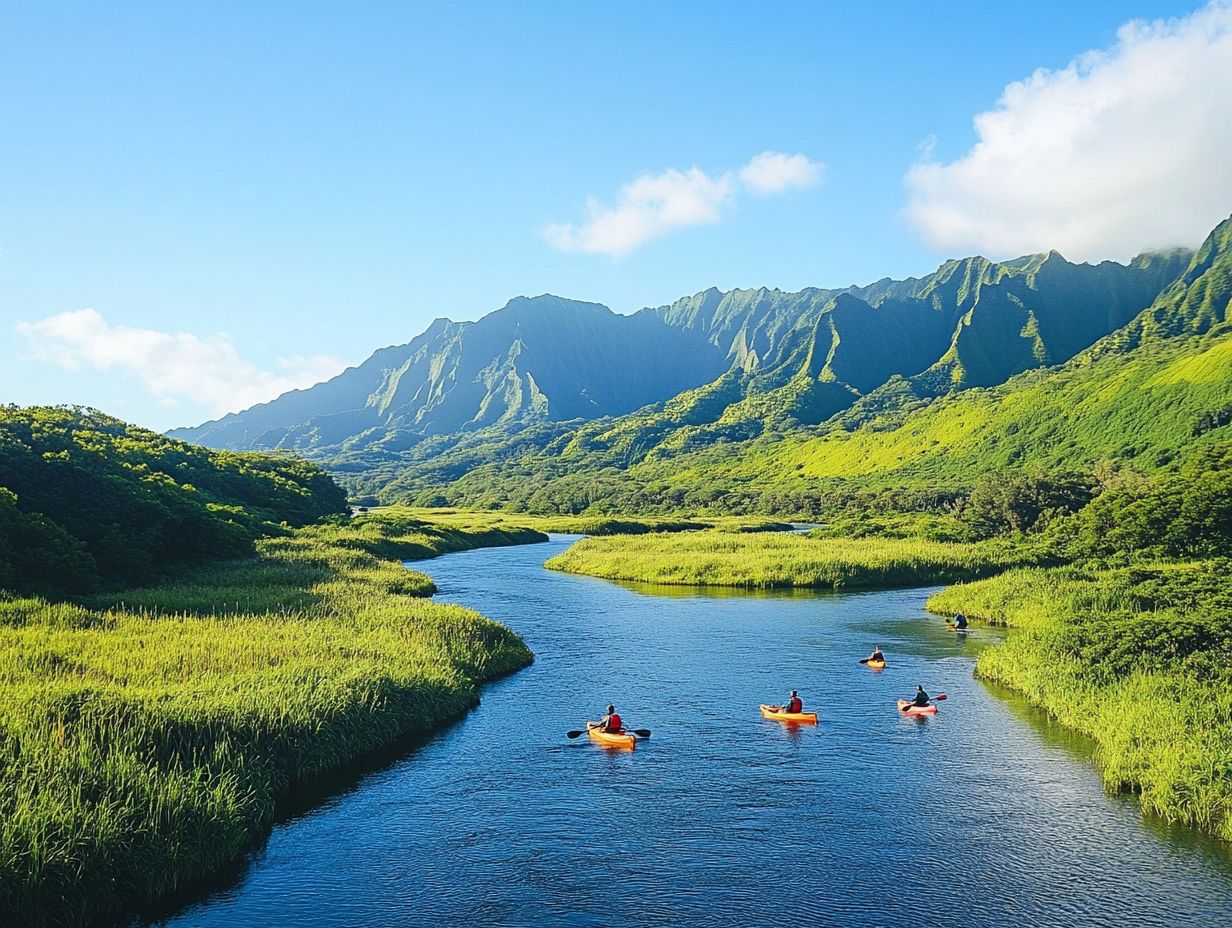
<point>983,815</point>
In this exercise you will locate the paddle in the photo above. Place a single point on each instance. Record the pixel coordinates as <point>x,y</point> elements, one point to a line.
<point>940,697</point>
<point>640,732</point>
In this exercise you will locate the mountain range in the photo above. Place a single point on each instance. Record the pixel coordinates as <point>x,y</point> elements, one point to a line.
<point>547,389</point>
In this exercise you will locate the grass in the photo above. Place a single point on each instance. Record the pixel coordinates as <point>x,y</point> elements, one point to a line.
<point>1139,659</point>
<point>588,524</point>
<point>788,560</point>
<point>147,738</point>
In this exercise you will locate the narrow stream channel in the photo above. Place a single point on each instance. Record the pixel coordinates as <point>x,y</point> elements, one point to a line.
<point>984,815</point>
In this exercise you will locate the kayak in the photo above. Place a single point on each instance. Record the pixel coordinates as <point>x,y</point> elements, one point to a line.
<point>876,665</point>
<point>774,712</point>
<point>610,739</point>
<point>909,708</point>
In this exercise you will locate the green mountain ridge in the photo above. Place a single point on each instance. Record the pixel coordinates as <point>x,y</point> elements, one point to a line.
<point>1148,392</point>
<point>573,380</point>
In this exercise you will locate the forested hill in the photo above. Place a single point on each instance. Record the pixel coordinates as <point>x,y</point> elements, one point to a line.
<point>744,359</point>
<point>87,501</point>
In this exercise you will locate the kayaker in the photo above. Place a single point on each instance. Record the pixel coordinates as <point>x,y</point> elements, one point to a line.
<point>611,722</point>
<point>960,621</point>
<point>877,656</point>
<point>922,699</point>
<point>794,703</point>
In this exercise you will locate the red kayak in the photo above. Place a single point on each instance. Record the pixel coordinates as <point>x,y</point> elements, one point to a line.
<point>909,708</point>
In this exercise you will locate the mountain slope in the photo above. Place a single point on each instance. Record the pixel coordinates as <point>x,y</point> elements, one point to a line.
<point>538,359</point>
<point>1156,387</point>
<point>711,367</point>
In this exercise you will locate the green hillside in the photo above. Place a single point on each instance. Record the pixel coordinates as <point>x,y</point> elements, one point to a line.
<point>89,501</point>
<point>1156,386</point>
<point>575,380</point>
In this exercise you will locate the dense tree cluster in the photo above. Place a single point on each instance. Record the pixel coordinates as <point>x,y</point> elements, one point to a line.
<point>87,500</point>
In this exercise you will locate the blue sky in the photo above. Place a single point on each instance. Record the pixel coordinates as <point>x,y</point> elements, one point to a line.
<point>246,196</point>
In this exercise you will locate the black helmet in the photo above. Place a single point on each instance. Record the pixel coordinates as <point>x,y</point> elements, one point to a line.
<point>794,693</point>
<point>611,709</point>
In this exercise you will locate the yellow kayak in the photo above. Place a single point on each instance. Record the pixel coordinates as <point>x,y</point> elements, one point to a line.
<point>876,665</point>
<point>776,713</point>
<point>609,739</point>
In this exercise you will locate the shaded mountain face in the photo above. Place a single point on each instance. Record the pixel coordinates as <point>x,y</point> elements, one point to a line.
<point>537,359</point>
<point>710,366</point>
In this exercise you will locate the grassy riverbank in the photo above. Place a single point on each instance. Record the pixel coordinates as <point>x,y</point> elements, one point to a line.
<point>1139,659</point>
<point>147,737</point>
<point>788,560</point>
<point>597,525</point>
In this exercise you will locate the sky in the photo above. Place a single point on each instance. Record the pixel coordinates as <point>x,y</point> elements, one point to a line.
<point>203,205</point>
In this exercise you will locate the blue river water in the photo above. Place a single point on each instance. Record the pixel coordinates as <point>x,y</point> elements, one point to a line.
<point>983,815</point>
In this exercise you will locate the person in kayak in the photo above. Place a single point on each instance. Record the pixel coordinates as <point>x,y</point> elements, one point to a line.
<point>794,703</point>
<point>960,622</point>
<point>611,721</point>
<point>876,655</point>
<point>921,700</point>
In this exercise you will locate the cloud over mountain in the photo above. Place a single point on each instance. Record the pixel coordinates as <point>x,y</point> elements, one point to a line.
<point>206,370</point>
<point>652,205</point>
<point>1123,149</point>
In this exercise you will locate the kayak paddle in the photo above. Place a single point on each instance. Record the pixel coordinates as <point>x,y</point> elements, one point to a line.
<point>940,697</point>
<point>640,732</point>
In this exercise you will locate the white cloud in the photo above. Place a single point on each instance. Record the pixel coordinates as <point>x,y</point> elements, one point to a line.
<point>774,172</point>
<point>653,205</point>
<point>172,366</point>
<point>1124,149</point>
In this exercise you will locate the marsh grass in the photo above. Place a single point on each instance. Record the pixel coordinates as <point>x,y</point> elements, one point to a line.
<point>1139,659</point>
<point>597,525</point>
<point>769,561</point>
<point>147,737</point>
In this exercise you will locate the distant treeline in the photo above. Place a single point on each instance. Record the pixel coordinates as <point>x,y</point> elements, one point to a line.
<point>87,501</point>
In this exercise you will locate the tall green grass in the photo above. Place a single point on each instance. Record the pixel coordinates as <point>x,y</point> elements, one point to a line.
<point>1139,659</point>
<point>787,560</point>
<point>147,738</point>
<point>474,519</point>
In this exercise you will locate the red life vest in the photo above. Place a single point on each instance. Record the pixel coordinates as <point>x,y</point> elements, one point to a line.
<point>614,722</point>
<point>795,705</point>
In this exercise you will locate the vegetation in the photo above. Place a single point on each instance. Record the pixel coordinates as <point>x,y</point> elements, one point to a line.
<point>586,525</point>
<point>801,431</point>
<point>148,735</point>
<point>189,635</point>
<point>1139,659</point>
<point>1122,620</point>
<point>87,501</point>
<point>788,560</point>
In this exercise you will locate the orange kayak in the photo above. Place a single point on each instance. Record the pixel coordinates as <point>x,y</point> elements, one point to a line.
<point>774,712</point>
<point>610,739</point>
<point>876,665</point>
<point>909,708</point>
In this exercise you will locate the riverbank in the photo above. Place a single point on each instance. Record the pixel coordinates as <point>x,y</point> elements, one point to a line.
<point>480,825</point>
<point>768,561</point>
<point>149,736</point>
<point>1139,659</point>
<point>594,525</point>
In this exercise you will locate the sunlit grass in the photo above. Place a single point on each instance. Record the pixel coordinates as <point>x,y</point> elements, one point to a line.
<point>787,560</point>
<point>476,519</point>
<point>1138,659</point>
<point>146,738</point>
